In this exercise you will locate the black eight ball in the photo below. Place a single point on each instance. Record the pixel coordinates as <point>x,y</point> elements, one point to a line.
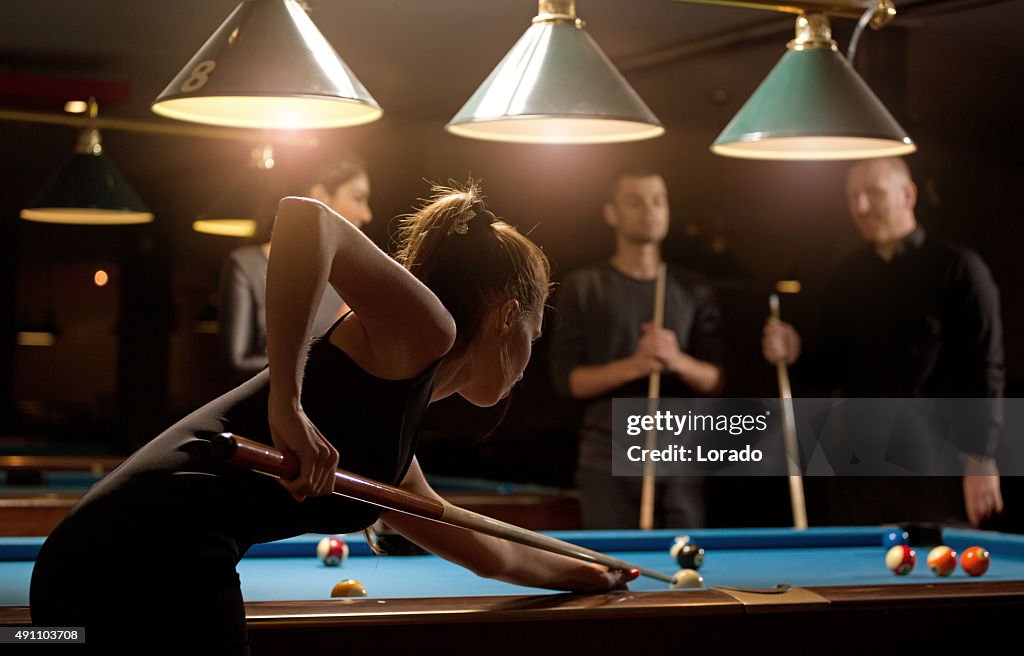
<point>689,556</point>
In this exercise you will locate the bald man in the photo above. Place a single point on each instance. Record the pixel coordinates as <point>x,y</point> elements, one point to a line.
<point>907,316</point>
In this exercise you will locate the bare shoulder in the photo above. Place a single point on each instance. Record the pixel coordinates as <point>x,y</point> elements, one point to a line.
<point>391,355</point>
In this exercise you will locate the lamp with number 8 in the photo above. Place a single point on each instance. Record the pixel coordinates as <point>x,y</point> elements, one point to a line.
<point>267,66</point>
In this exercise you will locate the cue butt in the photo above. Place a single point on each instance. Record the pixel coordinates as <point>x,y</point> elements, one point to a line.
<point>653,395</point>
<point>797,503</point>
<point>268,460</point>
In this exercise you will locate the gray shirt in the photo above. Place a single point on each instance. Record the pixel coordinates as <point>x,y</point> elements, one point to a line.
<point>598,312</point>
<point>243,312</point>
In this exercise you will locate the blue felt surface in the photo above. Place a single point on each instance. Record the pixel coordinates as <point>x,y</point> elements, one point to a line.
<point>760,558</point>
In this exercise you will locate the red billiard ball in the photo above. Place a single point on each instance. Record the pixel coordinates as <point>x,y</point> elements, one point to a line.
<point>975,560</point>
<point>901,559</point>
<point>942,561</point>
<point>332,551</point>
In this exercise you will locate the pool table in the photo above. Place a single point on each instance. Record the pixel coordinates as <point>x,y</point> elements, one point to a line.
<point>36,491</point>
<point>843,597</point>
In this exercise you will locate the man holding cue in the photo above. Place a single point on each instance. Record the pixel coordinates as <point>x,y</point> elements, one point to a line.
<point>906,316</point>
<point>606,345</point>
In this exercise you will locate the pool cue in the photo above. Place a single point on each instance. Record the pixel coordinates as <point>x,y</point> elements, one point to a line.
<point>796,481</point>
<point>267,460</point>
<point>653,394</point>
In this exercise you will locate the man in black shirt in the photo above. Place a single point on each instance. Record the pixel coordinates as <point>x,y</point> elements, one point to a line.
<point>907,316</point>
<point>606,346</point>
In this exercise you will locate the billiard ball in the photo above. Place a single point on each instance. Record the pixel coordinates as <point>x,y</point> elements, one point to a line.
<point>348,588</point>
<point>895,536</point>
<point>688,555</point>
<point>900,559</point>
<point>332,551</point>
<point>975,560</point>
<point>942,560</point>
<point>687,578</point>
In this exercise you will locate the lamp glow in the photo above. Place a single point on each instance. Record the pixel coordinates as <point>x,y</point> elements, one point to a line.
<point>36,338</point>
<point>233,213</point>
<point>225,227</point>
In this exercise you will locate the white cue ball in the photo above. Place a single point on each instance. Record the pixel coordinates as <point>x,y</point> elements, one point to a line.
<point>687,578</point>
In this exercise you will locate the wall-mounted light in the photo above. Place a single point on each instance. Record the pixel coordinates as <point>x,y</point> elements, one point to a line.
<point>268,66</point>
<point>788,286</point>
<point>556,86</point>
<point>76,106</point>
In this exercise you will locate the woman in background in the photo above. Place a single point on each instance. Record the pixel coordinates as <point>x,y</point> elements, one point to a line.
<point>344,186</point>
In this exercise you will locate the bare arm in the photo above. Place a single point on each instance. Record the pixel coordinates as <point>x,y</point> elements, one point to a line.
<point>657,350</point>
<point>594,380</point>
<point>402,324</point>
<point>495,558</point>
<point>702,377</point>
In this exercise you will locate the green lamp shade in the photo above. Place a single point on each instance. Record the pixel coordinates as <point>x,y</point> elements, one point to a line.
<point>88,190</point>
<point>555,86</point>
<point>267,66</point>
<point>813,106</point>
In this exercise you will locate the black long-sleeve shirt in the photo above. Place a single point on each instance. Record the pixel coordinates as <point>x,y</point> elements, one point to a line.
<point>924,324</point>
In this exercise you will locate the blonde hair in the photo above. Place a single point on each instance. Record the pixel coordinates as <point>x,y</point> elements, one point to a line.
<point>470,259</point>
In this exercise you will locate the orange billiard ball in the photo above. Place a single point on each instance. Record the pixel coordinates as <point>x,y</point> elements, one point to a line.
<point>942,561</point>
<point>975,560</point>
<point>348,588</point>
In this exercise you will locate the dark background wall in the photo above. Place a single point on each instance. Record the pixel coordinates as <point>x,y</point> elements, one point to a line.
<point>130,361</point>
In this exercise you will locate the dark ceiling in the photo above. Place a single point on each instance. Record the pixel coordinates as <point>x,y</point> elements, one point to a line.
<point>948,69</point>
<point>418,58</point>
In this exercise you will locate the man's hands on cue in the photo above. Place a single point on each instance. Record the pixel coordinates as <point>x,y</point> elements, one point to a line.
<point>780,342</point>
<point>298,439</point>
<point>982,495</point>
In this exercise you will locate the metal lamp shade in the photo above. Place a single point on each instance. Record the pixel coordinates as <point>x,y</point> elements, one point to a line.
<point>237,212</point>
<point>88,190</point>
<point>267,66</point>
<point>813,106</point>
<point>555,86</point>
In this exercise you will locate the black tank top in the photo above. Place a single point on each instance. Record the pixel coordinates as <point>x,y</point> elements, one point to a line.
<point>175,486</point>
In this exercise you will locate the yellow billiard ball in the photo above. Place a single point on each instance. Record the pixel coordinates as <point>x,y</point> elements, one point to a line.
<point>348,588</point>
